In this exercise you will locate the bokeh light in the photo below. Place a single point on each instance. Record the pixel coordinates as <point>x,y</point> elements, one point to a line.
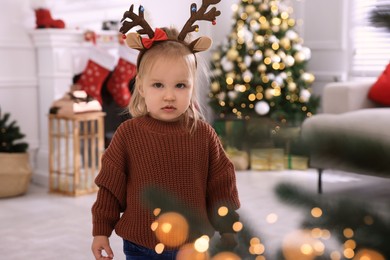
<point>226,256</point>
<point>300,244</point>
<point>223,211</point>
<point>272,218</point>
<point>188,251</point>
<point>202,244</point>
<point>316,212</point>
<point>348,232</point>
<point>172,229</point>
<point>368,254</point>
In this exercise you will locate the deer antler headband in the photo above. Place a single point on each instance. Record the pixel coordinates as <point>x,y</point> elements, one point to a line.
<point>135,41</point>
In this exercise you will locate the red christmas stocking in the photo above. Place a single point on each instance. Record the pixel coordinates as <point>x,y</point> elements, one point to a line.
<point>44,19</point>
<point>99,65</point>
<point>118,84</point>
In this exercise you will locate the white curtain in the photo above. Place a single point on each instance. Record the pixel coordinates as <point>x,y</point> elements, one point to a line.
<point>371,45</point>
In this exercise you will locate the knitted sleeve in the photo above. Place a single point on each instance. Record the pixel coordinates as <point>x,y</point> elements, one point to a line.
<point>111,180</point>
<point>221,187</point>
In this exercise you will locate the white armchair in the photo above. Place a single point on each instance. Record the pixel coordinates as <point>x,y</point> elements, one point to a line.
<point>352,134</point>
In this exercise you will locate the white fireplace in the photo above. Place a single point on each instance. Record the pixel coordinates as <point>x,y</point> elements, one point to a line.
<point>61,54</point>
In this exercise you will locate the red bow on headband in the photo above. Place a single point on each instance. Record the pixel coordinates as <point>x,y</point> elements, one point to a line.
<point>159,35</point>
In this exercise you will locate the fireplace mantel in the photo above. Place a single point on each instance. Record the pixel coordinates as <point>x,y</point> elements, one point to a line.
<point>60,54</point>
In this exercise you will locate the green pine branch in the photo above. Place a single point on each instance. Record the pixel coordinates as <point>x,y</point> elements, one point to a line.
<point>371,229</point>
<point>10,136</point>
<point>155,197</point>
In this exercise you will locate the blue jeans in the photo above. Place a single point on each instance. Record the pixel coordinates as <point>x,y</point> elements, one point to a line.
<point>135,252</point>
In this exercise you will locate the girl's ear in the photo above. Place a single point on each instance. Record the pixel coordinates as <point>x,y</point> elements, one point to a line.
<point>201,44</point>
<point>133,40</point>
<point>139,86</point>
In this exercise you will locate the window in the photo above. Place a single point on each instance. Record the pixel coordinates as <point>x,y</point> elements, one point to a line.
<point>371,44</point>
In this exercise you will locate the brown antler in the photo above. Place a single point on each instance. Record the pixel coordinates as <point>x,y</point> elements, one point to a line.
<point>136,20</point>
<point>199,15</point>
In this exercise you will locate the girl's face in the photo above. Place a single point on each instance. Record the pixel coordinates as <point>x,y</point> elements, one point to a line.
<point>167,89</point>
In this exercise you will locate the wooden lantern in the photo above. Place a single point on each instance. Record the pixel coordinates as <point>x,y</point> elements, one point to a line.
<point>76,144</point>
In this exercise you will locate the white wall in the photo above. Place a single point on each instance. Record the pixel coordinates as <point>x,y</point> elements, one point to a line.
<point>324,29</point>
<point>325,32</point>
<point>17,68</point>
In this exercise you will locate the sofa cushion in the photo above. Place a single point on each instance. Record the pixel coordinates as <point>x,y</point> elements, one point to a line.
<point>357,141</point>
<point>380,91</point>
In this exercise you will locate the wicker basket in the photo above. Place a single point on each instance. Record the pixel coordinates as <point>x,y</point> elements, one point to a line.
<point>15,174</point>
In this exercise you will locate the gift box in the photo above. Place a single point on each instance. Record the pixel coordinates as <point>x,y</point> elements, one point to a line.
<point>267,159</point>
<point>231,132</point>
<point>258,133</point>
<point>240,159</point>
<point>294,162</point>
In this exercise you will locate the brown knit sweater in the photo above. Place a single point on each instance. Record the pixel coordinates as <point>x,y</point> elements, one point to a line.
<point>147,152</point>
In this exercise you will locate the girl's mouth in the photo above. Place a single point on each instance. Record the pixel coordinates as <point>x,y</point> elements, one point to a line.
<point>169,108</point>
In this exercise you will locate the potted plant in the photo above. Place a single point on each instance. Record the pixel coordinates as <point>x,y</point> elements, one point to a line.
<point>15,170</point>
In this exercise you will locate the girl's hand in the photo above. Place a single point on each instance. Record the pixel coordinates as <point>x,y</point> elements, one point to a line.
<point>99,244</point>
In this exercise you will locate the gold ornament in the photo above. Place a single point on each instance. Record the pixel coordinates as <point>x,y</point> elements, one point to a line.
<point>250,9</point>
<point>276,21</point>
<point>265,26</point>
<point>244,16</point>
<point>262,68</point>
<point>285,43</point>
<point>299,57</point>
<point>284,26</point>
<point>269,53</point>
<point>259,39</point>
<point>269,93</point>
<point>291,22</point>
<point>263,7</point>
<point>292,86</point>
<point>215,87</point>
<point>289,60</point>
<point>216,56</point>
<point>308,77</point>
<point>232,54</point>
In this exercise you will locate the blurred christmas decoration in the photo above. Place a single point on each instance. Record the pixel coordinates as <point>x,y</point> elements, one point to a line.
<point>259,70</point>
<point>178,226</point>
<point>10,136</point>
<point>15,170</point>
<point>361,230</point>
<point>380,16</point>
<point>267,159</point>
<point>44,20</point>
<point>333,228</point>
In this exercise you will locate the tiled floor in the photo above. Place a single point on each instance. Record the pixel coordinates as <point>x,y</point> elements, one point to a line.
<point>46,226</point>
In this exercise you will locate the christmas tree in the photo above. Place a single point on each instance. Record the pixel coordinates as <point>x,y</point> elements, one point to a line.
<point>9,133</point>
<point>260,69</point>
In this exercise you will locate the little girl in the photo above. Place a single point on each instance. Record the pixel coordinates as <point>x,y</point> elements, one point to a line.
<point>166,145</point>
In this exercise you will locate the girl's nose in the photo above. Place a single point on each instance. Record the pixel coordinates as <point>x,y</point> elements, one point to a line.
<point>169,94</point>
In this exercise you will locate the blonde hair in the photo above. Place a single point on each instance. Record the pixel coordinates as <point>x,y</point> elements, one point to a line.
<point>167,50</point>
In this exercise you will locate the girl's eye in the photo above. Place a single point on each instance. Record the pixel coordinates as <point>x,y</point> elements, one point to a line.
<point>181,85</point>
<point>157,85</point>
